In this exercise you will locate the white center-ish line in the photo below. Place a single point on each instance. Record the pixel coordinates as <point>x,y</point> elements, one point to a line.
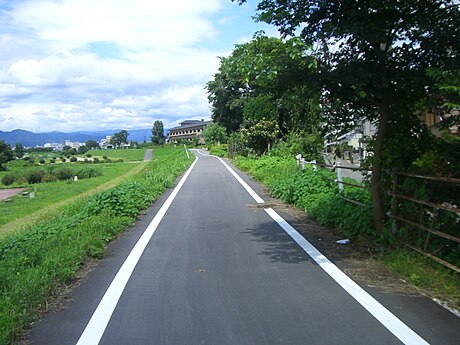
<point>98,323</point>
<point>377,310</point>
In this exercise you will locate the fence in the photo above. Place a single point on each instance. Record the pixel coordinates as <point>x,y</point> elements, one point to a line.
<point>423,242</point>
<point>432,240</point>
<point>339,180</point>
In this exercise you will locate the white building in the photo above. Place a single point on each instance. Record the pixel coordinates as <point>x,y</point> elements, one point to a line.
<point>106,143</point>
<point>73,144</point>
<point>54,146</point>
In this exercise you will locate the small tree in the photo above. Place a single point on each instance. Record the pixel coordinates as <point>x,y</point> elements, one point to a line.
<point>158,136</point>
<point>91,144</point>
<point>19,150</point>
<point>260,136</point>
<point>214,134</point>
<point>6,154</point>
<point>82,149</point>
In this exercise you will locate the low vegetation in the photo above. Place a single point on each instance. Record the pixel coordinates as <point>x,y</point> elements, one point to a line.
<point>47,254</point>
<point>48,192</point>
<point>131,155</point>
<point>50,174</point>
<point>321,201</point>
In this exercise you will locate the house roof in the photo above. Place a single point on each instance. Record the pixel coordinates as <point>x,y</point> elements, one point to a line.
<point>190,124</point>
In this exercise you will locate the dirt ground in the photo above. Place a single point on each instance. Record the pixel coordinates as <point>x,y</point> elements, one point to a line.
<point>8,193</point>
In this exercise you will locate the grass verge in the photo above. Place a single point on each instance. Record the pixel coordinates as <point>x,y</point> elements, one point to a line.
<point>36,261</point>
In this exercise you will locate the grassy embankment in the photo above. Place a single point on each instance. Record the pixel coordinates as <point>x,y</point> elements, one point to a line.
<point>125,155</point>
<point>21,210</point>
<point>320,200</point>
<point>35,262</point>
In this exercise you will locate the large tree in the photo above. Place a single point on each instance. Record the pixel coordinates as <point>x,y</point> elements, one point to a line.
<point>378,67</point>
<point>120,138</point>
<point>158,136</point>
<point>267,72</point>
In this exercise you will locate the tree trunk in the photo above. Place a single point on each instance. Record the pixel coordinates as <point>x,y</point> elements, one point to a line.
<point>376,180</point>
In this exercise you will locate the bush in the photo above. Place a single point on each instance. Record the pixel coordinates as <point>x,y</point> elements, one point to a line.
<point>64,173</point>
<point>34,176</point>
<point>88,172</point>
<point>49,178</point>
<point>21,180</point>
<point>63,160</point>
<point>89,155</point>
<point>73,159</point>
<point>42,161</point>
<point>219,150</point>
<point>8,179</point>
<point>318,197</point>
<point>53,160</point>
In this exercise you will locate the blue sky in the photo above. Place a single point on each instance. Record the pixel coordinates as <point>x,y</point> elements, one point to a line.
<point>106,64</point>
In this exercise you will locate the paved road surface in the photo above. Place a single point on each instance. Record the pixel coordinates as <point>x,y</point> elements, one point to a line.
<point>8,193</point>
<point>218,270</point>
<point>148,155</point>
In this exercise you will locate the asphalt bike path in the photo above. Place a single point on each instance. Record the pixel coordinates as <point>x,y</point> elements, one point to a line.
<point>200,268</point>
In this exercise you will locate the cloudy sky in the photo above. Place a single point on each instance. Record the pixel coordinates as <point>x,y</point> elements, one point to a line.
<point>70,65</point>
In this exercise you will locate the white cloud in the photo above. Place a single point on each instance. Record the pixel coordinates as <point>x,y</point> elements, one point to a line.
<point>93,64</point>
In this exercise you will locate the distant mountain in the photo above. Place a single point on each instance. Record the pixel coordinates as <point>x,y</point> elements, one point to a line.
<point>31,139</point>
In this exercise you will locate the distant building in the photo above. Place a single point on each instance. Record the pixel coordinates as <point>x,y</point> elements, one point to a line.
<point>54,146</point>
<point>433,119</point>
<point>73,144</point>
<point>354,139</point>
<point>106,143</point>
<point>188,130</point>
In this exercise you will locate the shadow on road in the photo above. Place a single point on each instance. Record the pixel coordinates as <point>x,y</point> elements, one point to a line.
<point>277,245</point>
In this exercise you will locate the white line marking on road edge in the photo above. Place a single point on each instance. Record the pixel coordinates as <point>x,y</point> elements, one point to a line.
<point>251,192</point>
<point>383,315</point>
<point>97,324</point>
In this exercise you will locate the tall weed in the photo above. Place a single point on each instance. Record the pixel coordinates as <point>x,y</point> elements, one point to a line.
<point>307,189</point>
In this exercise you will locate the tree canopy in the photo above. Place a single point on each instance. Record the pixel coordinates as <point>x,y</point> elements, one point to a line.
<point>120,138</point>
<point>92,144</point>
<point>214,134</point>
<point>378,67</point>
<point>6,154</point>
<point>267,72</point>
<point>158,136</point>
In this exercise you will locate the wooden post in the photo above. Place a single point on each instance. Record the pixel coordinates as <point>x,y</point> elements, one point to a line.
<point>394,204</point>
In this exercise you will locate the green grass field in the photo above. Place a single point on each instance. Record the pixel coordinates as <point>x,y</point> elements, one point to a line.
<point>131,155</point>
<point>22,210</point>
